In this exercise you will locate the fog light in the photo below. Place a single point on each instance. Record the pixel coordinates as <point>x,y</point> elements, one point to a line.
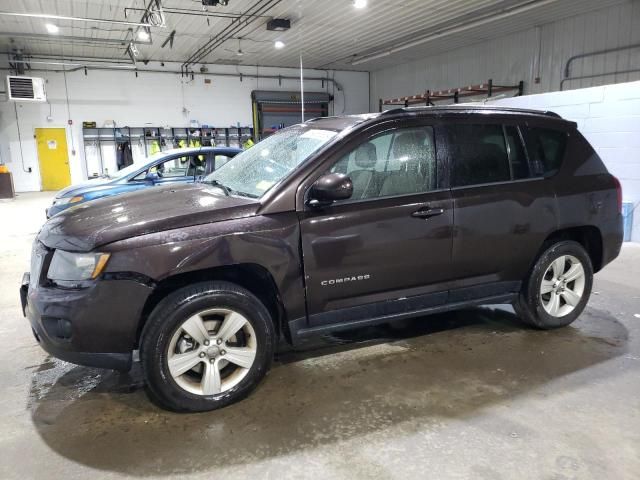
<point>63,329</point>
<point>57,328</point>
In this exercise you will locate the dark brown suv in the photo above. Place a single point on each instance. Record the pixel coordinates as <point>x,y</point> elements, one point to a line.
<point>333,224</point>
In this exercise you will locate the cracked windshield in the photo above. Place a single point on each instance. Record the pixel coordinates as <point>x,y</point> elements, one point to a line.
<point>255,171</point>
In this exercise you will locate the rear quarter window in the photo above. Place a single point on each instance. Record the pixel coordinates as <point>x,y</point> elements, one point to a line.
<point>546,148</point>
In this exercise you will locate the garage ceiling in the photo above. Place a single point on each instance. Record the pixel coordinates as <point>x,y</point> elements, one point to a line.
<point>328,33</point>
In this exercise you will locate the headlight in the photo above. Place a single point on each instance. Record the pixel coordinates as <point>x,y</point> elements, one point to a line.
<point>65,200</point>
<point>72,267</point>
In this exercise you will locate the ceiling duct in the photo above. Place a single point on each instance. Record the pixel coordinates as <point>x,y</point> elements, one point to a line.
<point>279,24</point>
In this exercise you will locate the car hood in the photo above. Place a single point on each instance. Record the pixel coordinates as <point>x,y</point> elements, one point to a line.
<point>89,185</point>
<point>86,226</point>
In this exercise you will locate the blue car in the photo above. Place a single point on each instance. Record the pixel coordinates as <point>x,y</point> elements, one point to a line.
<point>171,166</point>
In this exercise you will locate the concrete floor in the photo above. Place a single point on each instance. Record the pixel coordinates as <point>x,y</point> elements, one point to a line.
<point>463,395</point>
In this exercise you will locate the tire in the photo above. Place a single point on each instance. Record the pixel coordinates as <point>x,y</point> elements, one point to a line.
<point>186,331</point>
<point>536,305</point>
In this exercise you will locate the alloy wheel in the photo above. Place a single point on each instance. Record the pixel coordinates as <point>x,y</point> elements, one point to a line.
<point>562,286</point>
<point>212,351</point>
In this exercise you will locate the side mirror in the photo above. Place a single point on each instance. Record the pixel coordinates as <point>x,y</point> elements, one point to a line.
<point>330,188</point>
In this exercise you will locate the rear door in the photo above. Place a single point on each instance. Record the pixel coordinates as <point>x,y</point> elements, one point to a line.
<point>503,211</point>
<point>387,250</point>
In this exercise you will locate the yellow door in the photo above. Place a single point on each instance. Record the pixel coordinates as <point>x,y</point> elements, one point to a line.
<point>53,158</point>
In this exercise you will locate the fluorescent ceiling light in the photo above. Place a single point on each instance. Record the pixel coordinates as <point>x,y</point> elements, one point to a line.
<point>359,3</point>
<point>51,28</point>
<point>143,35</point>
<point>279,45</point>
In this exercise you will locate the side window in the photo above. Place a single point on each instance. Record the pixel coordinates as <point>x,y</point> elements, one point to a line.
<point>382,145</point>
<point>546,150</point>
<point>140,176</point>
<point>519,164</point>
<point>175,167</point>
<point>399,162</point>
<point>220,160</point>
<point>478,154</point>
<point>197,166</point>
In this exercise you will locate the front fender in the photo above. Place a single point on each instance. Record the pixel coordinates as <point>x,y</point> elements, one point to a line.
<point>269,241</point>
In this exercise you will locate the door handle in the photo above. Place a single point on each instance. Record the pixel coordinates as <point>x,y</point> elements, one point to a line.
<point>427,212</point>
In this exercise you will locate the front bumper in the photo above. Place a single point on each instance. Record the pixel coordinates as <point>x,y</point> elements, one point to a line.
<point>95,326</point>
<point>612,237</point>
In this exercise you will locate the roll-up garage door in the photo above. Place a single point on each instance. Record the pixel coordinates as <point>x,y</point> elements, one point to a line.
<point>275,110</point>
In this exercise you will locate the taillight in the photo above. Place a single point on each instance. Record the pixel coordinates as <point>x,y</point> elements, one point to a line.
<point>619,192</point>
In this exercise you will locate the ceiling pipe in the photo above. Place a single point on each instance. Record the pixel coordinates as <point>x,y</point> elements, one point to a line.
<point>71,38</point>
<point>457,29</point>
<point>80,19</point>
<point>82,59</point>
<point>74,64</point>
<point>236,26</point>
<point>197,13</point>
<point>79,67</point>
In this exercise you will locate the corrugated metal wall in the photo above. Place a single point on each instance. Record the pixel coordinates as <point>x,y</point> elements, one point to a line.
<point>537,52</point>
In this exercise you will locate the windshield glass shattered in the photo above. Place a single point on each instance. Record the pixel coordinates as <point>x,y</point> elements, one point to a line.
<point>253,172</point>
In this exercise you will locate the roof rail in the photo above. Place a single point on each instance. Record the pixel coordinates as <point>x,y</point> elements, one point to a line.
<point>458,107</point>
<point>394,110</point>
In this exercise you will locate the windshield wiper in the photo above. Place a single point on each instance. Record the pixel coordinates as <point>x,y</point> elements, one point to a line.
<point>245,194</point>
<point>222,187</point>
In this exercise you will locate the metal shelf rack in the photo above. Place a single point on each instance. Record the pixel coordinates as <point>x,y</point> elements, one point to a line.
<point>166,137</point>
<point>429,96</point>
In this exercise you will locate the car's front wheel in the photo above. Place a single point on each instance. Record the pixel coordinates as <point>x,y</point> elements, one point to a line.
<point>558,287</point>
<point>206,346</point>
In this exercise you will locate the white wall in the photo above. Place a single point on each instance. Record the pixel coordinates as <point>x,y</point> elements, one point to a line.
<point>151,98</point>
<point>609,117</point>
<point>537,52</point>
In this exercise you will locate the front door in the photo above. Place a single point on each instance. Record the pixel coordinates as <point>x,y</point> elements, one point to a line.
<point>53,158</point>
<point>387,250</point>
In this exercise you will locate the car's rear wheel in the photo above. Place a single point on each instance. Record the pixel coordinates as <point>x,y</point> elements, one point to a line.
<point>558,287</point>
<point>206,346</point>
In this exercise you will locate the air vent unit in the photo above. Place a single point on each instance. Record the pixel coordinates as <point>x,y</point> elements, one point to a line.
<point>26,89</point>
<point>279,24</point>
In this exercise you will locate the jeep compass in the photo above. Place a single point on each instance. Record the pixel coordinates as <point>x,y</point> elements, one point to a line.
<point>333,224</point>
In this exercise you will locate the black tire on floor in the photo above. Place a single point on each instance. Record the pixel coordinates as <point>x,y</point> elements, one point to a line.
<point>166,318</point>
<point>529,305</point>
